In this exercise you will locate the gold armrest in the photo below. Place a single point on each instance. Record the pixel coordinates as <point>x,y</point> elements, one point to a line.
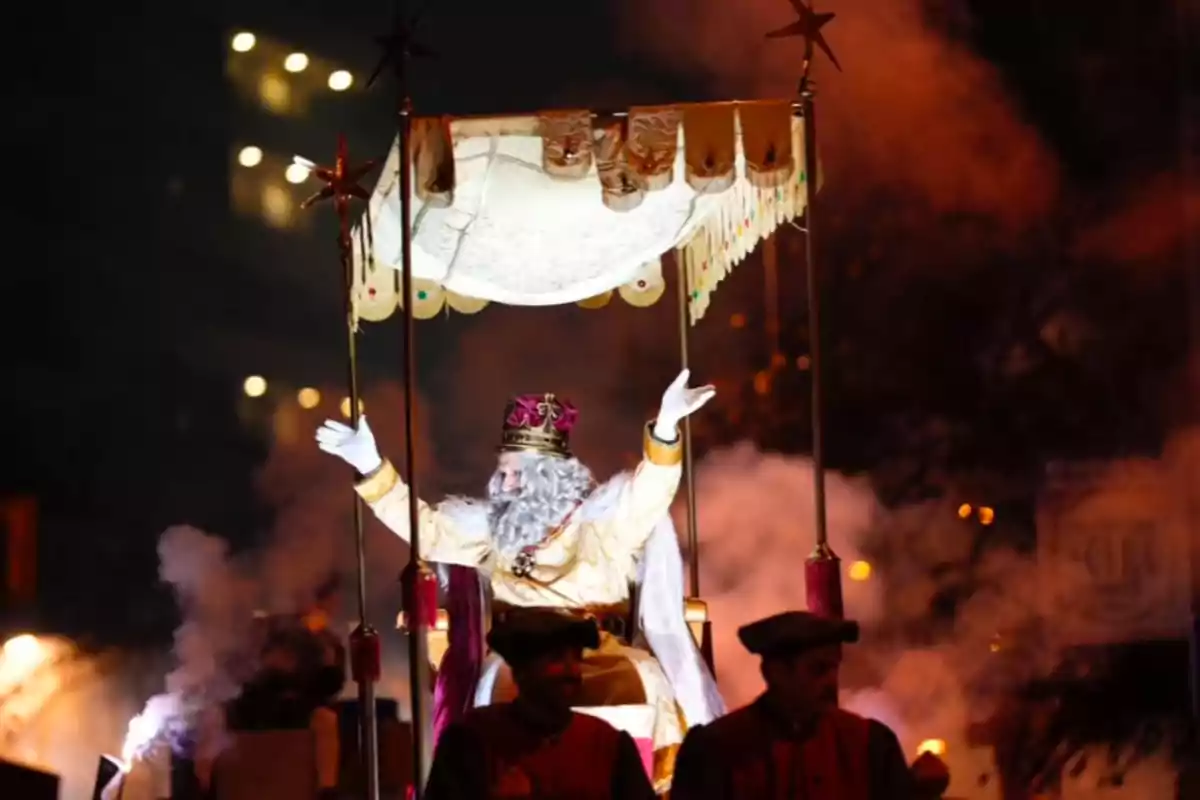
<point>695,613</point>
<point>437,638</point>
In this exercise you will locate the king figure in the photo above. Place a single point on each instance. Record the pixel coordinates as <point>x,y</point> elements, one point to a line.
<point>547,536</point>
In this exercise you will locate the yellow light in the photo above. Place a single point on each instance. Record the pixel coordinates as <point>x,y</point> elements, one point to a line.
<point>244,42</point>
<point>987,515</point>
<point>308,398</point>
<point>23,648</point>
<point>935,747</point>
<point>340,81</point>
<point>297,173</point>
<point>762,383</point>
<point>275,93</point>
<point>860,571</point>
<point>296,62</point>
<point>250,156</point>
<point>277,206</point>
<point>964,510</point>
<point>255,386</point>
<point>362,409</point>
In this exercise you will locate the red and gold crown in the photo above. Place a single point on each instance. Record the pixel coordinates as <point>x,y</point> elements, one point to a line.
<point>538,423</point>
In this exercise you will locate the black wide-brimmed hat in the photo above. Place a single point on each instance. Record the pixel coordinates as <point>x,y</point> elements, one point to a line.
<point>522,634</point>
<point>793,632</point>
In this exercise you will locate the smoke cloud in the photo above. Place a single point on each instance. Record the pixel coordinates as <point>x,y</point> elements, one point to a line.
<point>914,109</point>
<point>69,707</point>
<point>755,524</point>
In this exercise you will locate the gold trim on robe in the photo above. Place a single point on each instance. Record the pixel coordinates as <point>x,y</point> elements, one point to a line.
<point>374,487</point>
<point>660,453</point>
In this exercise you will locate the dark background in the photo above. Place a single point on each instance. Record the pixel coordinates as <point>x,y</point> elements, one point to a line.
<point>137,301</point>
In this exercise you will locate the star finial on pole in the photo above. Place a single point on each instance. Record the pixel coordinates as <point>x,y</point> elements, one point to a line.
<point>341,180</point>
<point>808,26</point>
<point>401,44</point>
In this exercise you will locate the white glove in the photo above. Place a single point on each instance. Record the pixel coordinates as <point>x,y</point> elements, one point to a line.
<point>356,448</point>
<point>678,401</point>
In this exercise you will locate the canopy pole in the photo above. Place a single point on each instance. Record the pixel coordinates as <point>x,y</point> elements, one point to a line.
<point>418,576</point>
<point>822,570</point>
<point>418,583</point>
<point>364,640</point>
<point>683,292</point>
<point>1190,211</point>
<point>341,186</point>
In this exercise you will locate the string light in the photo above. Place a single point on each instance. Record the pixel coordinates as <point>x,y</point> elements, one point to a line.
<point>255,386</point>
<point>296,62</point>
<point>243,42</point>
<point>964,511</point>
<point>297,173</point>
<point>250,156</point>
<point>340,81</point>
<point>860,571</point>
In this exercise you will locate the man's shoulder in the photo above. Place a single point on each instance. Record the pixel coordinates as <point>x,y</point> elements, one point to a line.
<point>593,727</point>
<point>737,724</point>
<point>497,718</point>
<point>486,717</point>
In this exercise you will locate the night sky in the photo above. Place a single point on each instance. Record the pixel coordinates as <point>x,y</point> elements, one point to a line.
<point>138,301</point>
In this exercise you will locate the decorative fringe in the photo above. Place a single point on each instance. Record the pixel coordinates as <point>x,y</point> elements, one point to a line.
<point>736,220</point>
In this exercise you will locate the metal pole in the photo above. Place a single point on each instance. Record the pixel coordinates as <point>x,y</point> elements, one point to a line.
<point>418,656</point>
<point>770,257</point>
<point>683,291</point>
<point>368,724</point>
<point>1190,210</point>
<point>822,570</point>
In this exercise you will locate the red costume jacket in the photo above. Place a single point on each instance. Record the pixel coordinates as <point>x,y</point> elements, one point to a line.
<point>495,753</point>
<point>755,753</point>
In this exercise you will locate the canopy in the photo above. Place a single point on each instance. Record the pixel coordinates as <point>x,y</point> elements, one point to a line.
<point>572,206</point>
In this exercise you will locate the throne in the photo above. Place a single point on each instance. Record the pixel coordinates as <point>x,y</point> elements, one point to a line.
<point>695,613</point>
<point>636,720</point>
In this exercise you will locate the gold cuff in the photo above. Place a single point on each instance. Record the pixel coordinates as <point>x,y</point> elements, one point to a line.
<point>374,488</point>
<point>660,453</point>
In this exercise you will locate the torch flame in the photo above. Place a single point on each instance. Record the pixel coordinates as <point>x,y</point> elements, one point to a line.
<point>935,747</point>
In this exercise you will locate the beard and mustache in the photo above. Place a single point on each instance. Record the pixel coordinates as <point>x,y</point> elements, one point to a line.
<point>550,489</point>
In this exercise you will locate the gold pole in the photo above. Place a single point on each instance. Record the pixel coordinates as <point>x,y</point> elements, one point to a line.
<point>418,656</point>
<point>770,256</point>
<point>683,292</point>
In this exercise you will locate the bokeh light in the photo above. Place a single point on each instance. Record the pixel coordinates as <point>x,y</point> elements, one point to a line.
<point>255,386</point>
<point>243,42</point>
<point>308,398</point>
<point>250,156</point>
<point>296,62</point>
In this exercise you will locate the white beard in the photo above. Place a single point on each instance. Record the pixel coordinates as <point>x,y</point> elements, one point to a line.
<point>551,489</point>
<point>520,522</point>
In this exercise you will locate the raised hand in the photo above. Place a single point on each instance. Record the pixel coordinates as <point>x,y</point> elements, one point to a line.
<point>356,447</point>
<point>678,401</point>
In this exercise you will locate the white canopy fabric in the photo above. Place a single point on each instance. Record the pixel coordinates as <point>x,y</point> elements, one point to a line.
<point>570,207</point>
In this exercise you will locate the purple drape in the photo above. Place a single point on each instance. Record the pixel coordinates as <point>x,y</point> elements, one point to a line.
<point>454,691</point>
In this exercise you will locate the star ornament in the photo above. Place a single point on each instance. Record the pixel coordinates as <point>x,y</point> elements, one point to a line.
<point>809,27</point>
<point>400,45</point>
<point>341,180</point>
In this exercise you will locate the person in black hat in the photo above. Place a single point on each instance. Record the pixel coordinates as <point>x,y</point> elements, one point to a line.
<point>793,742</point>
<point>536,747</point>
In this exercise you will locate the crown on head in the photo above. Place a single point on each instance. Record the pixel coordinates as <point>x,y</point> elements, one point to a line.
<point>538,423</point>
